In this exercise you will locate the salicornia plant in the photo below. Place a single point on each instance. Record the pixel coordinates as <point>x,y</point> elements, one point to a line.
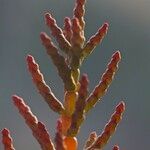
<point>77,99</point>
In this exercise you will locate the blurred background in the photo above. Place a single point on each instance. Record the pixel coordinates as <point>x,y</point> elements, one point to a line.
<point>20,24</point>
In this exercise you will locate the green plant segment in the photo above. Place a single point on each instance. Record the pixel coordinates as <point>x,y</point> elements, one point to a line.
<point>77,98</point>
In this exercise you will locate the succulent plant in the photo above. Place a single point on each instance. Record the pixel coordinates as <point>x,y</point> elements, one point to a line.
<point>77,99</point>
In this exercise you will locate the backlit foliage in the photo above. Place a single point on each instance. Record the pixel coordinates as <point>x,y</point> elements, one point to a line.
<point>77,98</point>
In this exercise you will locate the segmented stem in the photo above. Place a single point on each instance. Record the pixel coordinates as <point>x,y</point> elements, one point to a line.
<point>43,88</point>
<point>7,140</point>
<point>78,115</point>
<point>95,40</point>
<point>104,83</point>
<point>109,129</point>
<point>38,128</point>
<point>91,139</point>
<point>57,33</point>
<point>67,31</point>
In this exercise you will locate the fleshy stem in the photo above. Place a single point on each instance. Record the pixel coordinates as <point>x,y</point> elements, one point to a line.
<point>91,139</point>
<point>38,128</point>
<point>78,115</point>
<point>57,33</point>
<point>7,140</point>
<point>59,137</point>
<point>104,83</point>
<point>43,88</point>
<point>109,129</point>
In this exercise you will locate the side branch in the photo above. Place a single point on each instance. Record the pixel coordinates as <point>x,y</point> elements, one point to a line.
<point>79,12</point>
<point>43,88</point>
<point>91,139</point>
<point>7,140</point>
<point>57,33</point>
<point>104,83</point>
<point>67,29</point>
<point>59,137</point>
<point>77,37</point>
<point>59,61</point>
<point>110,128</point>
<point>95,40</point>
<point>38,129</point>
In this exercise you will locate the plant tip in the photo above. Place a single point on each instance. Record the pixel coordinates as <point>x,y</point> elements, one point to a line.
<point>120,107</point>
<point>30,58</point>
<point>117,55</point>
<point>5,131</point>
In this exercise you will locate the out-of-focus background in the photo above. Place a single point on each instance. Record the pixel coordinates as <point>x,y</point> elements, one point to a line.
<point>20,24</point>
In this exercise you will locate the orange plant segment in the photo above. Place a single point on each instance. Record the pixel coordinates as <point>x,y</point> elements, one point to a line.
<point>69,103</point>
<point>66,122</point>
<point>7,140</point>
<point>71,143</point>
<point>110,128</point>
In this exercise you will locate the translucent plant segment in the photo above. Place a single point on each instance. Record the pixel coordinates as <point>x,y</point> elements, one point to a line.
<point>77,100</point>
<point>7,140</point>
